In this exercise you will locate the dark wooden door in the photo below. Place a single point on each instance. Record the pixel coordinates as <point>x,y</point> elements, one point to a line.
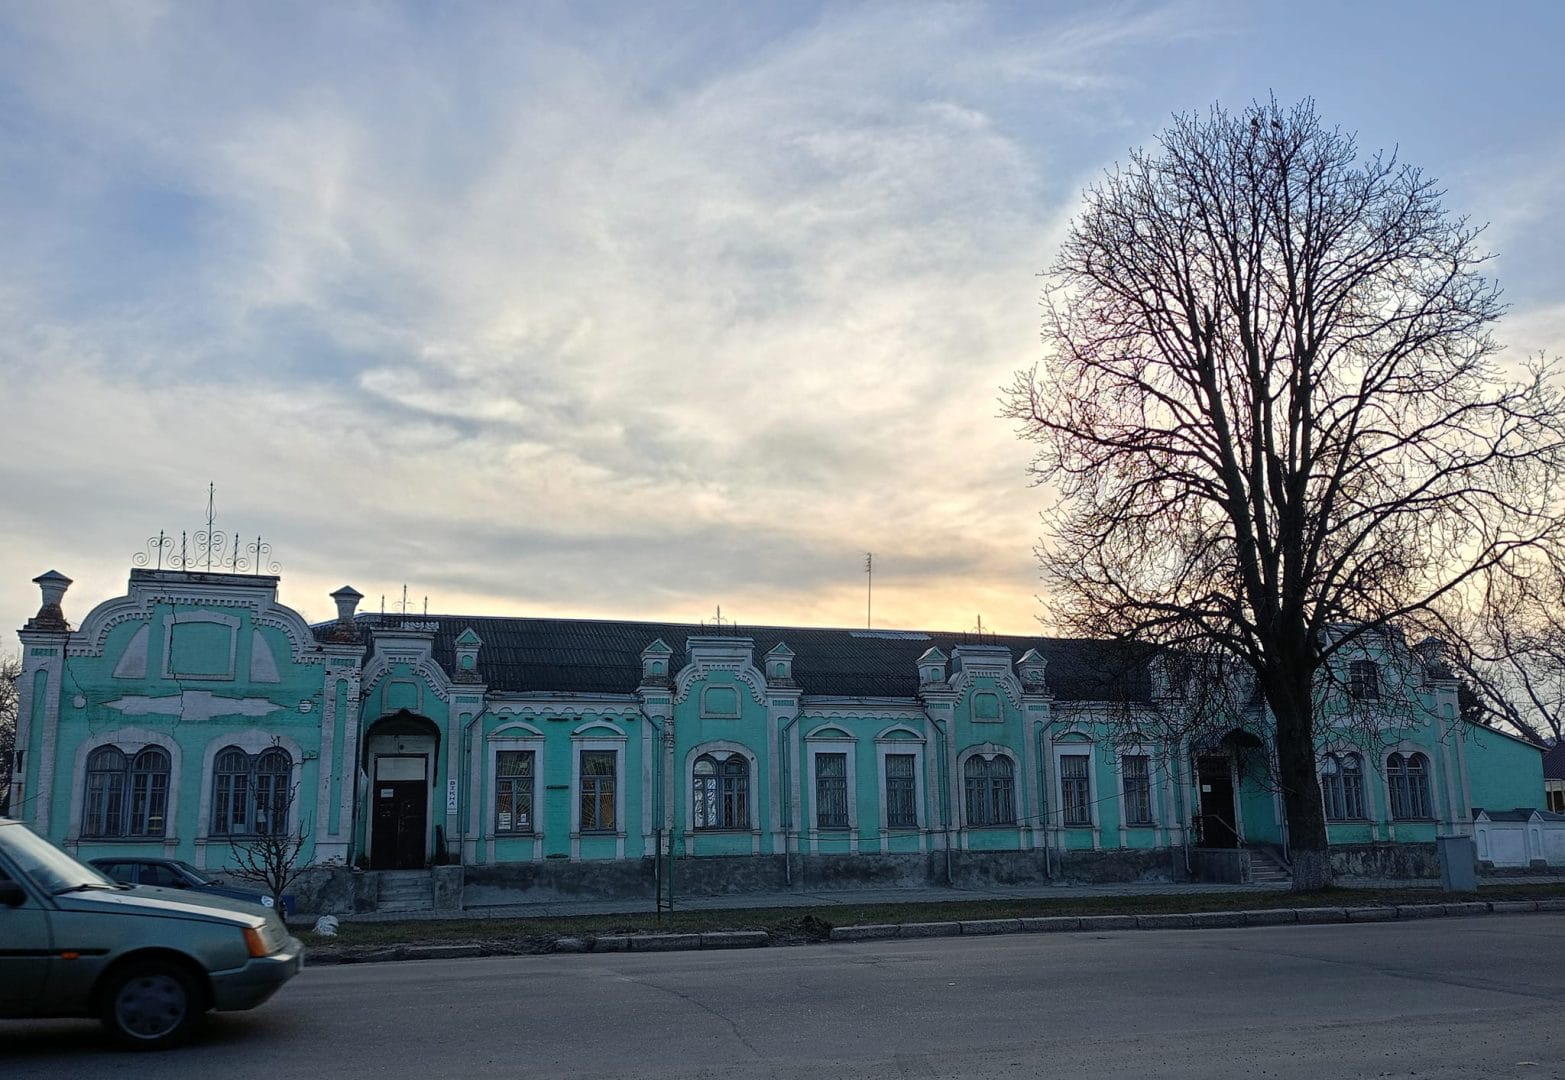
<point>1216,823</point>
<point>401,809</point>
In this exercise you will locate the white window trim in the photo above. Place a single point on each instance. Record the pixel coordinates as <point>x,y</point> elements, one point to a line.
<point>1135,750</point>
<point>721,748</point>
<point>251,742</point>
<point>833,743</point>
<point>989,751</point>
<point>1366,775</point>
<point>514,737</point>
<point>886,745</point>
<point>597,736</point>
<point>1438,799</point>
<point>130,741</point>
<point>1076,748</point>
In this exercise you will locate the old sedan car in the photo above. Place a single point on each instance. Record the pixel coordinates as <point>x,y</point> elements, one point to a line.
<point>177,874</point>
<point>149,962</point>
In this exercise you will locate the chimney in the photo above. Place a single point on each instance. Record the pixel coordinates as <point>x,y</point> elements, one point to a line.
<point>52,585</point>
<point>347,599</point>
<point>345,632</point>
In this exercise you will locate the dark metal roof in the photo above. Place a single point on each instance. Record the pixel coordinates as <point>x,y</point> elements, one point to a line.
<point>601,656</point>
<point>1554,762</point>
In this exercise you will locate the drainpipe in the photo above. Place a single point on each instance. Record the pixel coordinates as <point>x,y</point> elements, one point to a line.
<point>787,799</point>
<point>464,780</point>
<point>1043,787</point>
<point>658,800</point>
<point>1182,786</point>
<point>945,791</point>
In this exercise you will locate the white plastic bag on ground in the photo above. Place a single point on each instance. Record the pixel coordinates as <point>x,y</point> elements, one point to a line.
<point>326,926</point>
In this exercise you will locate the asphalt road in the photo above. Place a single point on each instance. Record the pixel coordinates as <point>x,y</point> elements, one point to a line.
<point>1474,997</point>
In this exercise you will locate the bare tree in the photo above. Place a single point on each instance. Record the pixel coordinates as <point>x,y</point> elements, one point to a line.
<point>10,671</point>
<point>1271,407</point>
<point>1514,653</point>
<point>272,859</point>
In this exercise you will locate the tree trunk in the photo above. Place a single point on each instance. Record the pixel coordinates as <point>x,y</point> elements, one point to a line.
<point>1301,789</point>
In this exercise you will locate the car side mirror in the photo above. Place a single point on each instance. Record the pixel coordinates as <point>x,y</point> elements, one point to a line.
<point>12,894</point>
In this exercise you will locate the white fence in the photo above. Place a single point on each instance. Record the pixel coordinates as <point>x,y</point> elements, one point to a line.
<point>1521,837</point>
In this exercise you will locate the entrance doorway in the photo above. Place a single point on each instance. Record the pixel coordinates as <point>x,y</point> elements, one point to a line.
<point>401,812</point>
<point>1215,825</point>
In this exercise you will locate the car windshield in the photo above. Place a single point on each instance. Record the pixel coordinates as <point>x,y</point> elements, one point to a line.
<point>198,876</point>
<point>46,864</point>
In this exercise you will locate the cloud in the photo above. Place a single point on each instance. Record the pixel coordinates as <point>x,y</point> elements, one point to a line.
<point>536,314</point>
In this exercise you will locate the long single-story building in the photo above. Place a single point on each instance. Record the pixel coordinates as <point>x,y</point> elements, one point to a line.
<point>197,712</point>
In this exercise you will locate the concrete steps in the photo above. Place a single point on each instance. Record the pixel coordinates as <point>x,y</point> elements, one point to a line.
<point>405,890</point>
<point>1265,870</point>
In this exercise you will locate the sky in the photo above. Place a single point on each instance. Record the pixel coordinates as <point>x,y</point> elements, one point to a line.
<point>630,310</point>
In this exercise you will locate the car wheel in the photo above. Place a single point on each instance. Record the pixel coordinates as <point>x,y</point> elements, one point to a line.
<point>151,1005</point>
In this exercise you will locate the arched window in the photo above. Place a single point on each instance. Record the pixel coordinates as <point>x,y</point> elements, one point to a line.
<point>1408,777</point>
<point>1342,787</point>
<point>721,793</point>
<point>991,791</point>
<point>250,793</point>
<point>126,796</point>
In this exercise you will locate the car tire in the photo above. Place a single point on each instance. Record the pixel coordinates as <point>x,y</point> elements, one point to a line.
<point>152,1004</point>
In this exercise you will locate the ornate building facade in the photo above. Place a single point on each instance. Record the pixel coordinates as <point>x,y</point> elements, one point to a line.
<point>196,712</point>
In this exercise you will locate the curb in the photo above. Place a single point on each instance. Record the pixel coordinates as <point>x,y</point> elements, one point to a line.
<point>1197,920</point>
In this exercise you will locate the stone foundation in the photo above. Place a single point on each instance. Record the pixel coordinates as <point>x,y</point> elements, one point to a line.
<point>1385,860</point>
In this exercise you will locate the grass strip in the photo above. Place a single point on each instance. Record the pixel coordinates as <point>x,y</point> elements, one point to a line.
<point>791,925</point>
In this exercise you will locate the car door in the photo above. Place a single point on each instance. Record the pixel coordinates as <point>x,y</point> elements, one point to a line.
<point>26,949</point>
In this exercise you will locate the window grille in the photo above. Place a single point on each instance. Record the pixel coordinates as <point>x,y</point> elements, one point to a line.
<point>597,791</point>
<point>901,791</point>
<point>831,791</point>
<point>1136,773</point>
<point>514,791</point>
<point>1075,789</point>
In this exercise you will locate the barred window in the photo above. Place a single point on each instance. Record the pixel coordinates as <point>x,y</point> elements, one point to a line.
<point>1136,774</point>
<point>250,792</point>
<point>1075,789</point>
<point>1342,787</point>
<point>991,791</point>
<point>597,791</point>
<point>721,793</point>
<point>1408,777</point>
<point>901,791</point>
<point>831,791</point>
<point>513,796</point>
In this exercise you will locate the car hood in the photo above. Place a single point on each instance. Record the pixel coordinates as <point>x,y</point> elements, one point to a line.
<point>165,903</point>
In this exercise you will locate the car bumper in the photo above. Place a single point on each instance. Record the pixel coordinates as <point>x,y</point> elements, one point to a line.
<point>248,986</point>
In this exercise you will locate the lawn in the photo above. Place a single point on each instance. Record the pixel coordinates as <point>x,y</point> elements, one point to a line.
<point>799,925</point>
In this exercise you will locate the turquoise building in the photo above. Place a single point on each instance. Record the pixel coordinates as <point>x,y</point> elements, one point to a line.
<point>196,712</point>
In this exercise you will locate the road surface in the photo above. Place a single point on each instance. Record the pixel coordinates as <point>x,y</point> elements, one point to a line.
<point>1478,997</point>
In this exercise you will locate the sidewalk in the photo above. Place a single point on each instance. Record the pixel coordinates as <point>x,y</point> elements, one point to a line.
<point>560,907</point>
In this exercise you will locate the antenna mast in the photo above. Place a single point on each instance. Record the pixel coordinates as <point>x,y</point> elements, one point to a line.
<point>869,589</point>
